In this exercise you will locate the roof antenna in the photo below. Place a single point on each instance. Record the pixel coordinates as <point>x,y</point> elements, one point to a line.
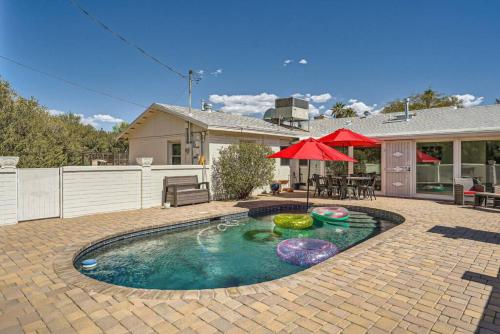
<point>407,109</point>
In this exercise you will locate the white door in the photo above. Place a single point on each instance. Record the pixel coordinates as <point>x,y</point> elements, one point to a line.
<point>399,168</point>
<point>38,193</point>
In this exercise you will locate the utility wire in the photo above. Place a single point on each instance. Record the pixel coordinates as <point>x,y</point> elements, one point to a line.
<point>124,40</point>
<point>72,83</point>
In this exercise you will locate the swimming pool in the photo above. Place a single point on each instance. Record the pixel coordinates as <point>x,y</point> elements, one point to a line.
<point>217,255</point>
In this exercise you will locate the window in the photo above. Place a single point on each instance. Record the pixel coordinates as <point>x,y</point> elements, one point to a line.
<point>337,167</point>
<point>368,162</point>
<point>481,160</point>
<point>435,168</point>
<point>284,162</point>
<point>175,154</point>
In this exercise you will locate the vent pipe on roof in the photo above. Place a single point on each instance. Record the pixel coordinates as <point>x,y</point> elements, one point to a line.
<point>407,109</point>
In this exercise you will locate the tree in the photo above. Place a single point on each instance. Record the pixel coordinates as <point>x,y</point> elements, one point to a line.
<point>340,110</point>
<point>425,100</point>
<point>240,169</point>
<point>120,127</point>
<point>44,140</point>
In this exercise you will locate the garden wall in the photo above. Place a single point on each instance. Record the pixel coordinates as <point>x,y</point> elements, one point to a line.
<point>84,190</point>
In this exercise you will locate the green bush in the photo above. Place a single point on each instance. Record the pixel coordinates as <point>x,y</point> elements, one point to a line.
<point>240,169</point>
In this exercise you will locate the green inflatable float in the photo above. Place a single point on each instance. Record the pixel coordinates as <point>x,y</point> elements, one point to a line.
<point>293,221</point>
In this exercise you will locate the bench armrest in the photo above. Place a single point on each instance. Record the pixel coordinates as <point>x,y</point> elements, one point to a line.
<point>206,184</point>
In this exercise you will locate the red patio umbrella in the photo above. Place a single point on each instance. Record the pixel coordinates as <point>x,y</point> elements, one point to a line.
<point>311,149</point>
<point>346,137</point>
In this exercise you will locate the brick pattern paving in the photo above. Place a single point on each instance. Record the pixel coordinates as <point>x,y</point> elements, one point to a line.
<point>437,272</point>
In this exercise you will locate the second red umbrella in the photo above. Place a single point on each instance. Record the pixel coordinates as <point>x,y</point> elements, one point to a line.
<point>311,149</point>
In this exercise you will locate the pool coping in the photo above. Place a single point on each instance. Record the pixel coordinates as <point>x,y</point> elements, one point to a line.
<point>65,269</point>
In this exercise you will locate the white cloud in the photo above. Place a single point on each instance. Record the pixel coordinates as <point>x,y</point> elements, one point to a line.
<point>320,98</point>
<point>107,119</point>
<point>97,121</point>
<point>313,110</point>
<point>303,61</point>
<point>87,120</point>
<point>55,112</point>
<point>217,72</point>
<point>469,100</point>
<point>360,107</point>
<point>287,61</point>
<point>256,105</point>
<point>250,105</point>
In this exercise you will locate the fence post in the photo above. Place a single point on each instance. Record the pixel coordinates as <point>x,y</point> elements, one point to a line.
<point>8,190</point>
<point>147,198</point>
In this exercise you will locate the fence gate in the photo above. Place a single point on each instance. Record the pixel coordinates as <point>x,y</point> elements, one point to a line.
<point>38,193</point>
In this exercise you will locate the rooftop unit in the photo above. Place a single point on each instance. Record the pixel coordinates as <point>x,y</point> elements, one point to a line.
<point>288,111</point>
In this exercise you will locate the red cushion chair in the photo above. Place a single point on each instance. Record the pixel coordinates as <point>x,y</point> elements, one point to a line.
<point>465,187</point>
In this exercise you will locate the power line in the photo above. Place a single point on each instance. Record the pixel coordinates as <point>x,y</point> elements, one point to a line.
<point>125,40</point>
<point>72,83</point>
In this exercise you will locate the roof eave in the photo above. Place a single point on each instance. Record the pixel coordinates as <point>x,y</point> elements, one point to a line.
<point>440,133</point>
<point>253,131</point>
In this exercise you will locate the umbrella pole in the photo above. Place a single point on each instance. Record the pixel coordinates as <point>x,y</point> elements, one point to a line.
<point>308,176</point>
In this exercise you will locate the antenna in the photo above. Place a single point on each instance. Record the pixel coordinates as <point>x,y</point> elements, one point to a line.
<point>190,83</point>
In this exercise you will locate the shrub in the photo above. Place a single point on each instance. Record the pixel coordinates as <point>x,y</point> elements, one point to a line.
<point>240,169</point>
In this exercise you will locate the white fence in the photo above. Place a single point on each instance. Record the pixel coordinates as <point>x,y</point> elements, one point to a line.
<point>66,192</point>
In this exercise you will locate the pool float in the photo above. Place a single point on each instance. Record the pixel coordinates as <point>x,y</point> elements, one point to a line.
<point>293,221</point>
<point>330,214</point>
<point>89,264</point>
<point>261,235</point>
<point>305,252</point>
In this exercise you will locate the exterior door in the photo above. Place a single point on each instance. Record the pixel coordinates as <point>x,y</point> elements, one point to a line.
<point>38,193</point>
<point>399,168</point>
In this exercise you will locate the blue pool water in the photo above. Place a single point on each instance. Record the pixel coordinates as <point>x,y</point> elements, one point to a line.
<point>215,256</point>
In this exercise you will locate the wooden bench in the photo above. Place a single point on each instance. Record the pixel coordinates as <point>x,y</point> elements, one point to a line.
<point>481,198</point>
<point>184,190</point>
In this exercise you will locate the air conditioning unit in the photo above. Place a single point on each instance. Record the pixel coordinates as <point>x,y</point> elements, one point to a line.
<point>291,109</point>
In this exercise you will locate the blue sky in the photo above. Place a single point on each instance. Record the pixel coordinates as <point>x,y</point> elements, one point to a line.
<point>365,52</point>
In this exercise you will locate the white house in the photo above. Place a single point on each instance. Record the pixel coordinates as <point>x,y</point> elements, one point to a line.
<point>421,152</point>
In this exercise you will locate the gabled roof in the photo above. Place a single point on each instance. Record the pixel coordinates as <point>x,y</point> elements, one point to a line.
<point>218,121</point>
<point>426,122</point>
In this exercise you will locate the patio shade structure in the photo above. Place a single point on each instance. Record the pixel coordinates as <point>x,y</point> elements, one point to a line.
<point>311,149</point>
<point>346,137</point>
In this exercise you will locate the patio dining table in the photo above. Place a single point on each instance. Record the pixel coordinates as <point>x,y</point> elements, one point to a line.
<point>352,186</point>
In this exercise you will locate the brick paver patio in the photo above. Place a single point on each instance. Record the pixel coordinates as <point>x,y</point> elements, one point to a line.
<point>436,272</point>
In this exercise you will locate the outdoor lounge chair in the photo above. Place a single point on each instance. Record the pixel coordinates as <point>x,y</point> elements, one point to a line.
<point>183,190</point>
<point>465,188</point>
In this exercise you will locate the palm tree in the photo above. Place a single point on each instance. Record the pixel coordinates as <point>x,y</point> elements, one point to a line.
<point>340,110</point>
<point>428,99</point>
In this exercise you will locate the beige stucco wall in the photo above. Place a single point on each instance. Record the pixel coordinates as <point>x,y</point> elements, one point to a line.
<point>151,138</point>
<point>218,140</point>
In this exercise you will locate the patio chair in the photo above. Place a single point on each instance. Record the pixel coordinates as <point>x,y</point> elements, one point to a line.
<point>347,189</point>
<point>333,186</point>
<point>320,185</point>
<point>183,190</point>
<point>368,188</point>
<point>465,188</point>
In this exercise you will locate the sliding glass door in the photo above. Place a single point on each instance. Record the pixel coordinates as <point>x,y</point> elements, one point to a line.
<point>481,160</point>
<point>435,168</point>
